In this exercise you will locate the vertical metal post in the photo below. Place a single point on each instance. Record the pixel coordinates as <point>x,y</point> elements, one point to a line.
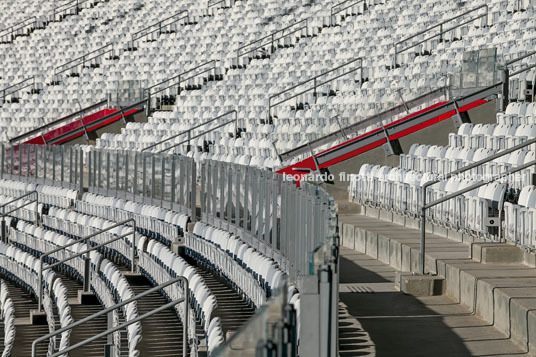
<point>423,233</point>
<point>194,191</point>
<point>133,253</point>
<point>81,187</point>
<point>87,273</point>
<point>505,89</point>
<point>3,154</point>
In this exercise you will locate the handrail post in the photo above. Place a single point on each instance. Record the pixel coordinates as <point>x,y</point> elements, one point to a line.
<point>40,283</point>
<point>423,233</point>
<point>505,89</point>
<point>133,253</point>
<point>441,33</point>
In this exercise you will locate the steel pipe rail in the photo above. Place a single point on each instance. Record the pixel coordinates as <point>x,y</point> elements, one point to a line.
<point>121,304</point>
<point>142,33</point>
<point>314,80</point>
<point>190,130</point>
<point>427,184</point>
<point>82,59</point>
<point>441,31</point>
<point>12,30</point>
<point>138,105</point>
<point>86,239</point>
<point>58,121</point>
<point>4,213</point>
<point>271,38</point>
<point>372,120</point>
<point>203,133</point>
<point>335,11</point>
<point>14,88</point>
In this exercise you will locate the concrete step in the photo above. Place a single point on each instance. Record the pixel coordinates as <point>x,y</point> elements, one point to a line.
<point>88,329</point>
<point>377,319</point>
<point>25,333</point>
<point>233,311</point>
<point>496,288</point>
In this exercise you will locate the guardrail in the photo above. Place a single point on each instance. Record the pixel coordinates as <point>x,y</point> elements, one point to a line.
<point>507,75</point>
<point>189,132</point>
<point>81,61</point>
<point>40,131</point>
<point>4,213</point>
<point>124,325</point>
<point>21,28</point>
<point>315,83</point>
<point>343,133</point>
<point>87,277</point>
<point>157,26</point>
<point>14,88</point>
<point>271,39</point>
<point>172,86</point>
<point>441,30</point>
<point>295,226</point>
<point>425,206</point>
<point>346,4</point>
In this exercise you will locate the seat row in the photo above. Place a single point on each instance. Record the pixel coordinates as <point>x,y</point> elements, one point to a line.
<point>7,311</point>
<point>22,268</point>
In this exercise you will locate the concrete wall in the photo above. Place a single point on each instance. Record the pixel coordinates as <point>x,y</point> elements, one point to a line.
<point>436,134</point>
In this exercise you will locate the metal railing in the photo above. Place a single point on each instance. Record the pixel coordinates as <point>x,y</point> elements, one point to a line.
<point>84,128</point>
<point>173,84</point>
<point>4,213</point>
<point>25,26</point>
<point>86,252</point>
<point>315,81</point>
<point>80,114</point>
<point>157,26</point>
<point>425,206</point>
<point>189,132</point>
<point>122,326</point>
<point>81,61</point>
<point>441,30</point>
<point>507,75</point>
<point>346,4</point>
<point>343,133</point>
<point>14,88</point>
<point>271,39</point>
<point>267,211</point>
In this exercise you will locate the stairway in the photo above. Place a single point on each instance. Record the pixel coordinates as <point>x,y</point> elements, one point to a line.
<point>88,329</point>
<point>25,332</point>
<point>233,311</point>
<point>162,332</point>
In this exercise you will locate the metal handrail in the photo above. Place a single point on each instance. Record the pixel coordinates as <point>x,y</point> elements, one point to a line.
<point>213,3</point>
<point>20,25</point>
<point>58,121</point>
<point>5,91</point>
<point>159,24</point>
<point>315,83</point>
<point>520,58</point>
<point>67,6</point>
<point>202,134</point>
<point>148,90</point>
<point>85,239</point>
<point>427,184</point>
<point>116,306</point>
<point>4,213</point>
<point>523,70</point>
<point>378,118</point>
<point>189,130</point>
<point>354,2</point>
<point>271,37</point>
<point>122,110</point>
<point>441,31</point>
<point>82,59</point>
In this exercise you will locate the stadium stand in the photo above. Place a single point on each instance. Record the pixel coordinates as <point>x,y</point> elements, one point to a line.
<point>152,151</point>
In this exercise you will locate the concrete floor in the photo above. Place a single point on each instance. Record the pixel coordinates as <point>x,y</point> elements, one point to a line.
<point>378,320</point>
